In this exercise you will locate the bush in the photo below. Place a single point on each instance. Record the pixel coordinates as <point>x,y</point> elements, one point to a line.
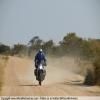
<point>97,70</point>
<point>90,78</point>
<point>4,49</point>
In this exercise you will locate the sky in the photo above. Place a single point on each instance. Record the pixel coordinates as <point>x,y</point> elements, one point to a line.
<point>20,20</point>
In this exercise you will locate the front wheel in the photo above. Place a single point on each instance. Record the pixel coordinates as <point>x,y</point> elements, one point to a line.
<point>40,77</point>
<point>40,83</point>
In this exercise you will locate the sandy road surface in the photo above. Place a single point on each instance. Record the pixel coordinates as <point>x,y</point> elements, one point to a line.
<point>20,81</point>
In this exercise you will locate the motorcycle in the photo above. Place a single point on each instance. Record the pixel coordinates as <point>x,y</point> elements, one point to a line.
<point>40,73</point>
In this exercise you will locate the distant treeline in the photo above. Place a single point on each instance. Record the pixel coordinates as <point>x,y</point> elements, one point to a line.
<point>70,45</point>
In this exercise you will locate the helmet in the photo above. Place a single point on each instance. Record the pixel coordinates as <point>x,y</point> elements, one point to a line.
<point>40,50</point>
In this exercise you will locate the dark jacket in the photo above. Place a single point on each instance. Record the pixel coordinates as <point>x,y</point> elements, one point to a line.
<point>39,58</point>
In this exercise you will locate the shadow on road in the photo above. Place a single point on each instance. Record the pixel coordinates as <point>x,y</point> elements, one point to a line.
<point>76,83</point>
<point>29,85</point>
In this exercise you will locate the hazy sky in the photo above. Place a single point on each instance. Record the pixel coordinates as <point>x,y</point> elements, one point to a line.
<point>20,20</point>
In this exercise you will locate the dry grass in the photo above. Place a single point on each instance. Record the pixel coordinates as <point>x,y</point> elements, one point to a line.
<point>97,71</point>
<point>92,73</point>
<point>86,69</point>
<point>3,62</point>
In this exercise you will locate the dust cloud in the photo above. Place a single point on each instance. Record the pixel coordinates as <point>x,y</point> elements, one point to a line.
<point>64,68</point>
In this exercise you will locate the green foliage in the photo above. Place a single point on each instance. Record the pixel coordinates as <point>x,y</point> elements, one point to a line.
<point>4,49</point>
<point>71,44</point>
<point>48,46</point>
<point>91,48</point>
<point>97,70</point>
<point>19,49</point>
<point>35,43</point>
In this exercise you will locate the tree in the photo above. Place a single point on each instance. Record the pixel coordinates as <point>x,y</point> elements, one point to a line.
<point>19,49</point>
<point>71,43</point>
<point>91,48</point>
<point>35,43</point>
<point>47,46</point>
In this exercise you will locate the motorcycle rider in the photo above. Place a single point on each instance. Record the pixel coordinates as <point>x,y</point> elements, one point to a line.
<point>40,57</point>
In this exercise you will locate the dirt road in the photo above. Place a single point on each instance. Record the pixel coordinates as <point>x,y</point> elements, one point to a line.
<point>19,80</point>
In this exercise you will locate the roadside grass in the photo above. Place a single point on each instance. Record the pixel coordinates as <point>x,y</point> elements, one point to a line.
<point>92,76</point>
<point>97,70</point>
<point>86,69</point>
<point>3,62</point>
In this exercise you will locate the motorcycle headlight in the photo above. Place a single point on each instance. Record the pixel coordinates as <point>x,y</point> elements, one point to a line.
<point>41,67</point>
